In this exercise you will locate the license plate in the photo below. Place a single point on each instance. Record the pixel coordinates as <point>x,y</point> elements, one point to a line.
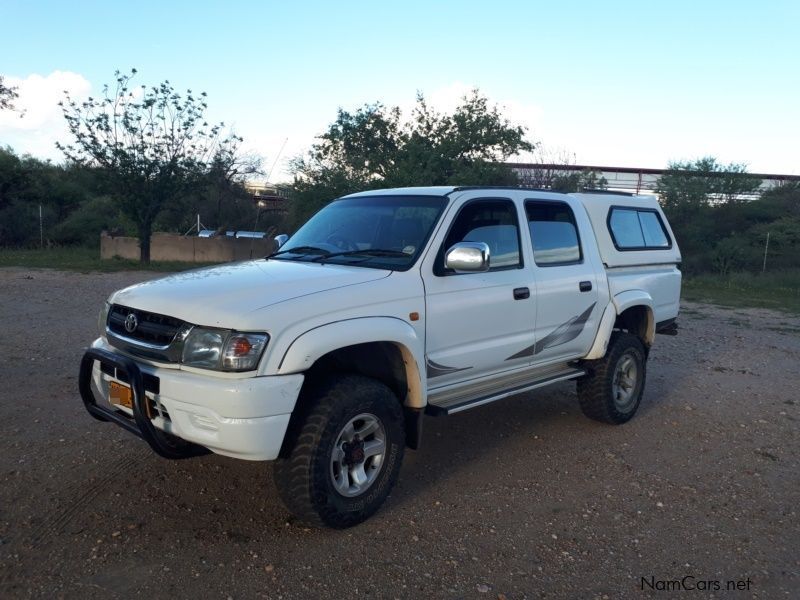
<point>120,394</point>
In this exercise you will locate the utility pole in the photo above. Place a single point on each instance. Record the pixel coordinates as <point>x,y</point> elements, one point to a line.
<point>41,228</point>
<point>766,247</point>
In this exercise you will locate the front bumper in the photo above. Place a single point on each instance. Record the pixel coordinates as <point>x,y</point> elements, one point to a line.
<point>239,417</point>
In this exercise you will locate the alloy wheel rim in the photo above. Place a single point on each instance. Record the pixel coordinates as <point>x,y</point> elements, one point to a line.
<point>357,456</point>
<point>624,383</point>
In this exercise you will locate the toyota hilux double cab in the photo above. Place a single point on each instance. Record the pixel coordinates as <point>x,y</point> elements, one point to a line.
<point>387,306</point>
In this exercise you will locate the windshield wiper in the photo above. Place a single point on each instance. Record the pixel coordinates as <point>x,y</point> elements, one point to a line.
<point>366,252</point>
<point>301,250</point>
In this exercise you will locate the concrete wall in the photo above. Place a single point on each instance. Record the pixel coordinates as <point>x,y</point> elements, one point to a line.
<point>120,247</point>
<point>174,247</point>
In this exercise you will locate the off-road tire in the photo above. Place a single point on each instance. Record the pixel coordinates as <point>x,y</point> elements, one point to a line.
<point>596,388</point>
<point>303,472</point>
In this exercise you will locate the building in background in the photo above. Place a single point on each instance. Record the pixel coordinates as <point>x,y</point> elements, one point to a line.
<point>627,179</point>
<point>269,197</point>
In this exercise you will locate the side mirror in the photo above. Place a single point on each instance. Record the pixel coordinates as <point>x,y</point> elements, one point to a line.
<point>468,257</point>
<point>280,240</point>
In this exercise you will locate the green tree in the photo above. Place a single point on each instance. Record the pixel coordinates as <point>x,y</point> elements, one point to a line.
<point>704,201</point>
<point>784,244</point>
<point>7,95</point>
<point>783,200</point>
<point>219,197</point>
<point>26,183</point>
<point>576,181</point>
<point>374,147</point>
<point>14,178</point>
<point>689,185</point>
<point>728,254</point>
<point>16,214</point>
<point>226,176</point>
<point>151,145</point>
<point>83,225</point>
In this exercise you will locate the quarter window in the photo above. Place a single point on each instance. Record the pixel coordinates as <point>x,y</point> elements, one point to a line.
<point>554,233</point>
<point>637,229</point>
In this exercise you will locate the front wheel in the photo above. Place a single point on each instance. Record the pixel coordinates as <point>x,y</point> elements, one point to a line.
<point>612,388</point>
<point>344,453</point>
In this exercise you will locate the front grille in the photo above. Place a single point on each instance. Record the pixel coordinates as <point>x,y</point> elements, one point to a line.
<point>151,328</point>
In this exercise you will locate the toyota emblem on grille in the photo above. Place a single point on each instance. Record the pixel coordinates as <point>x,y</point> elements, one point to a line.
<point>131,323</point>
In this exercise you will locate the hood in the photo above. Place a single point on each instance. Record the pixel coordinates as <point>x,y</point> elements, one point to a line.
<point>223,296</point>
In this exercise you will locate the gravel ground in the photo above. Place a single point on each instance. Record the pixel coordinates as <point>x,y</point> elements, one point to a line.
<point>522,498</point>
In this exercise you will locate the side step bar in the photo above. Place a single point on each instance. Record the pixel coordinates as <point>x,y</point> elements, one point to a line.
<point>452,405</point>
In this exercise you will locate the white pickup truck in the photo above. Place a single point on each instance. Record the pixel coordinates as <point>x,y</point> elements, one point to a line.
<point>385,306</point>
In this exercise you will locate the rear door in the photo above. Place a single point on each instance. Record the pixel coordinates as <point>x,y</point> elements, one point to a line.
<point>567,307</point>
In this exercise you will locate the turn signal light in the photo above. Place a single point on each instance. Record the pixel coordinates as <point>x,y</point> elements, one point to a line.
<point>240,346</point>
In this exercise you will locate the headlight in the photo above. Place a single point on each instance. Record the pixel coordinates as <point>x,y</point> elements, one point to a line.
<point>203,348</point>
<point>223,350</point>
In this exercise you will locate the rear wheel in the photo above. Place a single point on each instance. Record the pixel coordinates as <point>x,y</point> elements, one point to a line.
<point>343,453</point>
<point>612,388</point>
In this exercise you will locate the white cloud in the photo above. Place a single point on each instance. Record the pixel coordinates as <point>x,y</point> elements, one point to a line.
<point>447,98</point>
<point>41,123</point>
<point>277,148</point>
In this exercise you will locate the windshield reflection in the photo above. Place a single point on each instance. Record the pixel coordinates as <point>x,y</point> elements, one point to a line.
<point>386,232</point>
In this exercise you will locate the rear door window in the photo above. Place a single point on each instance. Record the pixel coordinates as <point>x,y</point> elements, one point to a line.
<point>554,233</point>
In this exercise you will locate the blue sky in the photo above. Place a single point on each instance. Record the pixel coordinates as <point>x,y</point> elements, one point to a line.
<point>607,83</point>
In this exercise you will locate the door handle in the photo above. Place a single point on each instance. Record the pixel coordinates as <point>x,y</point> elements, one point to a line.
<point>521,293</point>
<point>585,286</point>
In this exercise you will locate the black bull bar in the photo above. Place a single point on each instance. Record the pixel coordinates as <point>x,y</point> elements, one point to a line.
<point>162,443</point>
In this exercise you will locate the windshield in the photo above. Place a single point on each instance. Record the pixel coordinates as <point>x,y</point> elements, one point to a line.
<point>385,232</point>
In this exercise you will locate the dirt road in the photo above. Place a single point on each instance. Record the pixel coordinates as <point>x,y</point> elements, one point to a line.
<point>522,498</point>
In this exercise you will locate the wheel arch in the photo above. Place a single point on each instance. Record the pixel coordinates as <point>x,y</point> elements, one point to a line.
<point>635,314</point>
<point>630,311</point>
<point>384,348</point>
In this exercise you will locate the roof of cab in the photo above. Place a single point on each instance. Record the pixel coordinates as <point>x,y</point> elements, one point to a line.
<point>587,197</point>
<point>435,190</point>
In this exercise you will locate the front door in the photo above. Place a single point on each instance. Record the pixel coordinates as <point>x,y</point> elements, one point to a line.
<point>477,321</point>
